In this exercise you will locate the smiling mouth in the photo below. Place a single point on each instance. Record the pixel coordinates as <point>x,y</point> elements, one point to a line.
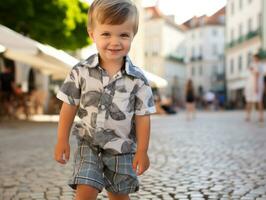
<point>114,50</point>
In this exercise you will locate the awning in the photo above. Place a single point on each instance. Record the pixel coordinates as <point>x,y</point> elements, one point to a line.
<point>47,59</point>
<point>155,80</point>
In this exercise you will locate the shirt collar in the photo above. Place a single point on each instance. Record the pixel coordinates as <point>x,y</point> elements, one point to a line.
<point>130,69</point>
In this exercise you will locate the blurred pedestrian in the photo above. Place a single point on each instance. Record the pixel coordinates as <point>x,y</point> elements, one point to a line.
<point>209,98</point>
<point>114,102</point>
<point>7,85</point>
<point>254,88</point>
<point>190,100</point>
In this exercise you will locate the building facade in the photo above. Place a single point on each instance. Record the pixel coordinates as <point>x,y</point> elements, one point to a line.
<point>161,39</point>
<point>243,39</point>
<point>204,52</point>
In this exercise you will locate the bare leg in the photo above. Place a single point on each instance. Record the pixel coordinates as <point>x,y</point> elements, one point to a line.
<point>248,110</point>
<point>188,110</point>
<point>193,110</point>
<point>113,196</point>
<point>86,192</point>
<point>260,107</point>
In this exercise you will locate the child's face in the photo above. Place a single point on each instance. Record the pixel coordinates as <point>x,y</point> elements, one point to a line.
<point>113,41</point>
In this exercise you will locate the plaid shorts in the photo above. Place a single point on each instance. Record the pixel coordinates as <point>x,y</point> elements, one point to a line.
<point>102,170</point>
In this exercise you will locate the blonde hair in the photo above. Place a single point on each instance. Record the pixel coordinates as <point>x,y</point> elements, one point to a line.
<point>112,12</point>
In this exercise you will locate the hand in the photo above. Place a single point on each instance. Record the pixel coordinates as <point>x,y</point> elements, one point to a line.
<point>141,162</point>
<point>62,152</point>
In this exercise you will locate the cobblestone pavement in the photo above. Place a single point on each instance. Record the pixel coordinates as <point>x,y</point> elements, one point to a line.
<point>217,156</point>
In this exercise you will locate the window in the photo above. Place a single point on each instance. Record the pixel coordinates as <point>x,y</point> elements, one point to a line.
<point>214,70</point>
<point>146,54</point>
<point>232,35</point>
<point>214,50</point>
<point>249,24</point>
<point>249,59</point>
<point>192,71</point>
<point>240,30</point>
<point>200,51</point>
<point>200,70</point>
<point>232,8</point>
<point>232,66</point>
<point>259,20</point>
<point>240,4</point>
<point>193,52</point>
<point>155,53</point>
<point>240,63</point>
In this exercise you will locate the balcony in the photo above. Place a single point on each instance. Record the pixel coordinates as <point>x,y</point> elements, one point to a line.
<point>176,58</point>
<point>196,58</point>
<point>262,54</point>
<point>242,39</point>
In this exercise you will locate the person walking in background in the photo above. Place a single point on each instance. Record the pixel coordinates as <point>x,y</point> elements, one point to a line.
<point>7,85</point>
<point>254,88</point>
<point>114,102</point>
<point>190,100</point>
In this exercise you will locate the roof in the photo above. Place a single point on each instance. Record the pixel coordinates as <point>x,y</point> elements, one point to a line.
<point>216,19</point>
<point>154,13</point>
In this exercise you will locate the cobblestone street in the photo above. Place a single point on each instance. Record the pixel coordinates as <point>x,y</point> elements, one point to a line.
<point>216,156</point>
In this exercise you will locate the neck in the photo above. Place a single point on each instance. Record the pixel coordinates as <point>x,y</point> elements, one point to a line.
<point>111,67</point>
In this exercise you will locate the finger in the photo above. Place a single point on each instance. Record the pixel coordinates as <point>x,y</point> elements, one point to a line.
<point>59,158</point>
<point>61,161</point>
<point>140,170</point>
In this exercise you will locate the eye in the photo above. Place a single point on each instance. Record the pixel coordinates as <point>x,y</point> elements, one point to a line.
<point>106,34</point>
<point>124,35</point>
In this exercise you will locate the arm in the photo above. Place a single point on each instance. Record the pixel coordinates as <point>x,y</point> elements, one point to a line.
<point>141,160</point>
<point>66,118</point>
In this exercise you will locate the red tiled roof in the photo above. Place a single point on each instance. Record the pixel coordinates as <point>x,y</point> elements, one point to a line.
<point>155,13</point>
<point>205,20</point>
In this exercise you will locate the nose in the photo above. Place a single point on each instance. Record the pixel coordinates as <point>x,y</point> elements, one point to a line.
<point>114,41</point>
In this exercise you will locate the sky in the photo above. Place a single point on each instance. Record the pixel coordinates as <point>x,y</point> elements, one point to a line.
<point>185,9</point>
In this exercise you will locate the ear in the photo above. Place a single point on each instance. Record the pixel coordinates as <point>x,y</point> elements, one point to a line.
<point>90,33</point>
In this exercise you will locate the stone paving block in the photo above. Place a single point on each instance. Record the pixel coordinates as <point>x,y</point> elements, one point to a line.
<point>206,159</point>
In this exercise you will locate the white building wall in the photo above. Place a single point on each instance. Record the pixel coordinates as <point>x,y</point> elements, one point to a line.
<point>207,42</point>
<point>172,38</point>
<point>161,41</point>
<point>236,76</point>
<point>237,16</point>
<point>175,70</point>
<point>240,20</point>
<point>153,46</point>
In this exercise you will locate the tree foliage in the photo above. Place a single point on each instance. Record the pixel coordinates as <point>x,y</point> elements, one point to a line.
<point>60,23</point>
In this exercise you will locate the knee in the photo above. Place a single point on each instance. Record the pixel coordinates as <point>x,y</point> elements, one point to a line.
<point>86,192</point>
<point>113,196</point>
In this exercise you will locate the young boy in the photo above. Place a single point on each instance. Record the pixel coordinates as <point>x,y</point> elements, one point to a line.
<point>113,101</point>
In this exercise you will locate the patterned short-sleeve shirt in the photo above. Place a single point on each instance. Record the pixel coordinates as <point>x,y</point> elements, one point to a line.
<point>107,105</point>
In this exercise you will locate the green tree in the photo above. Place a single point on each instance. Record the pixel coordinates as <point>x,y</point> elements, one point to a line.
<point>60,23</point>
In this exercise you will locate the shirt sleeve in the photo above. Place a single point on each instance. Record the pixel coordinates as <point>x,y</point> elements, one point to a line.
<point>70,91</point>
<point>144,104</point>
